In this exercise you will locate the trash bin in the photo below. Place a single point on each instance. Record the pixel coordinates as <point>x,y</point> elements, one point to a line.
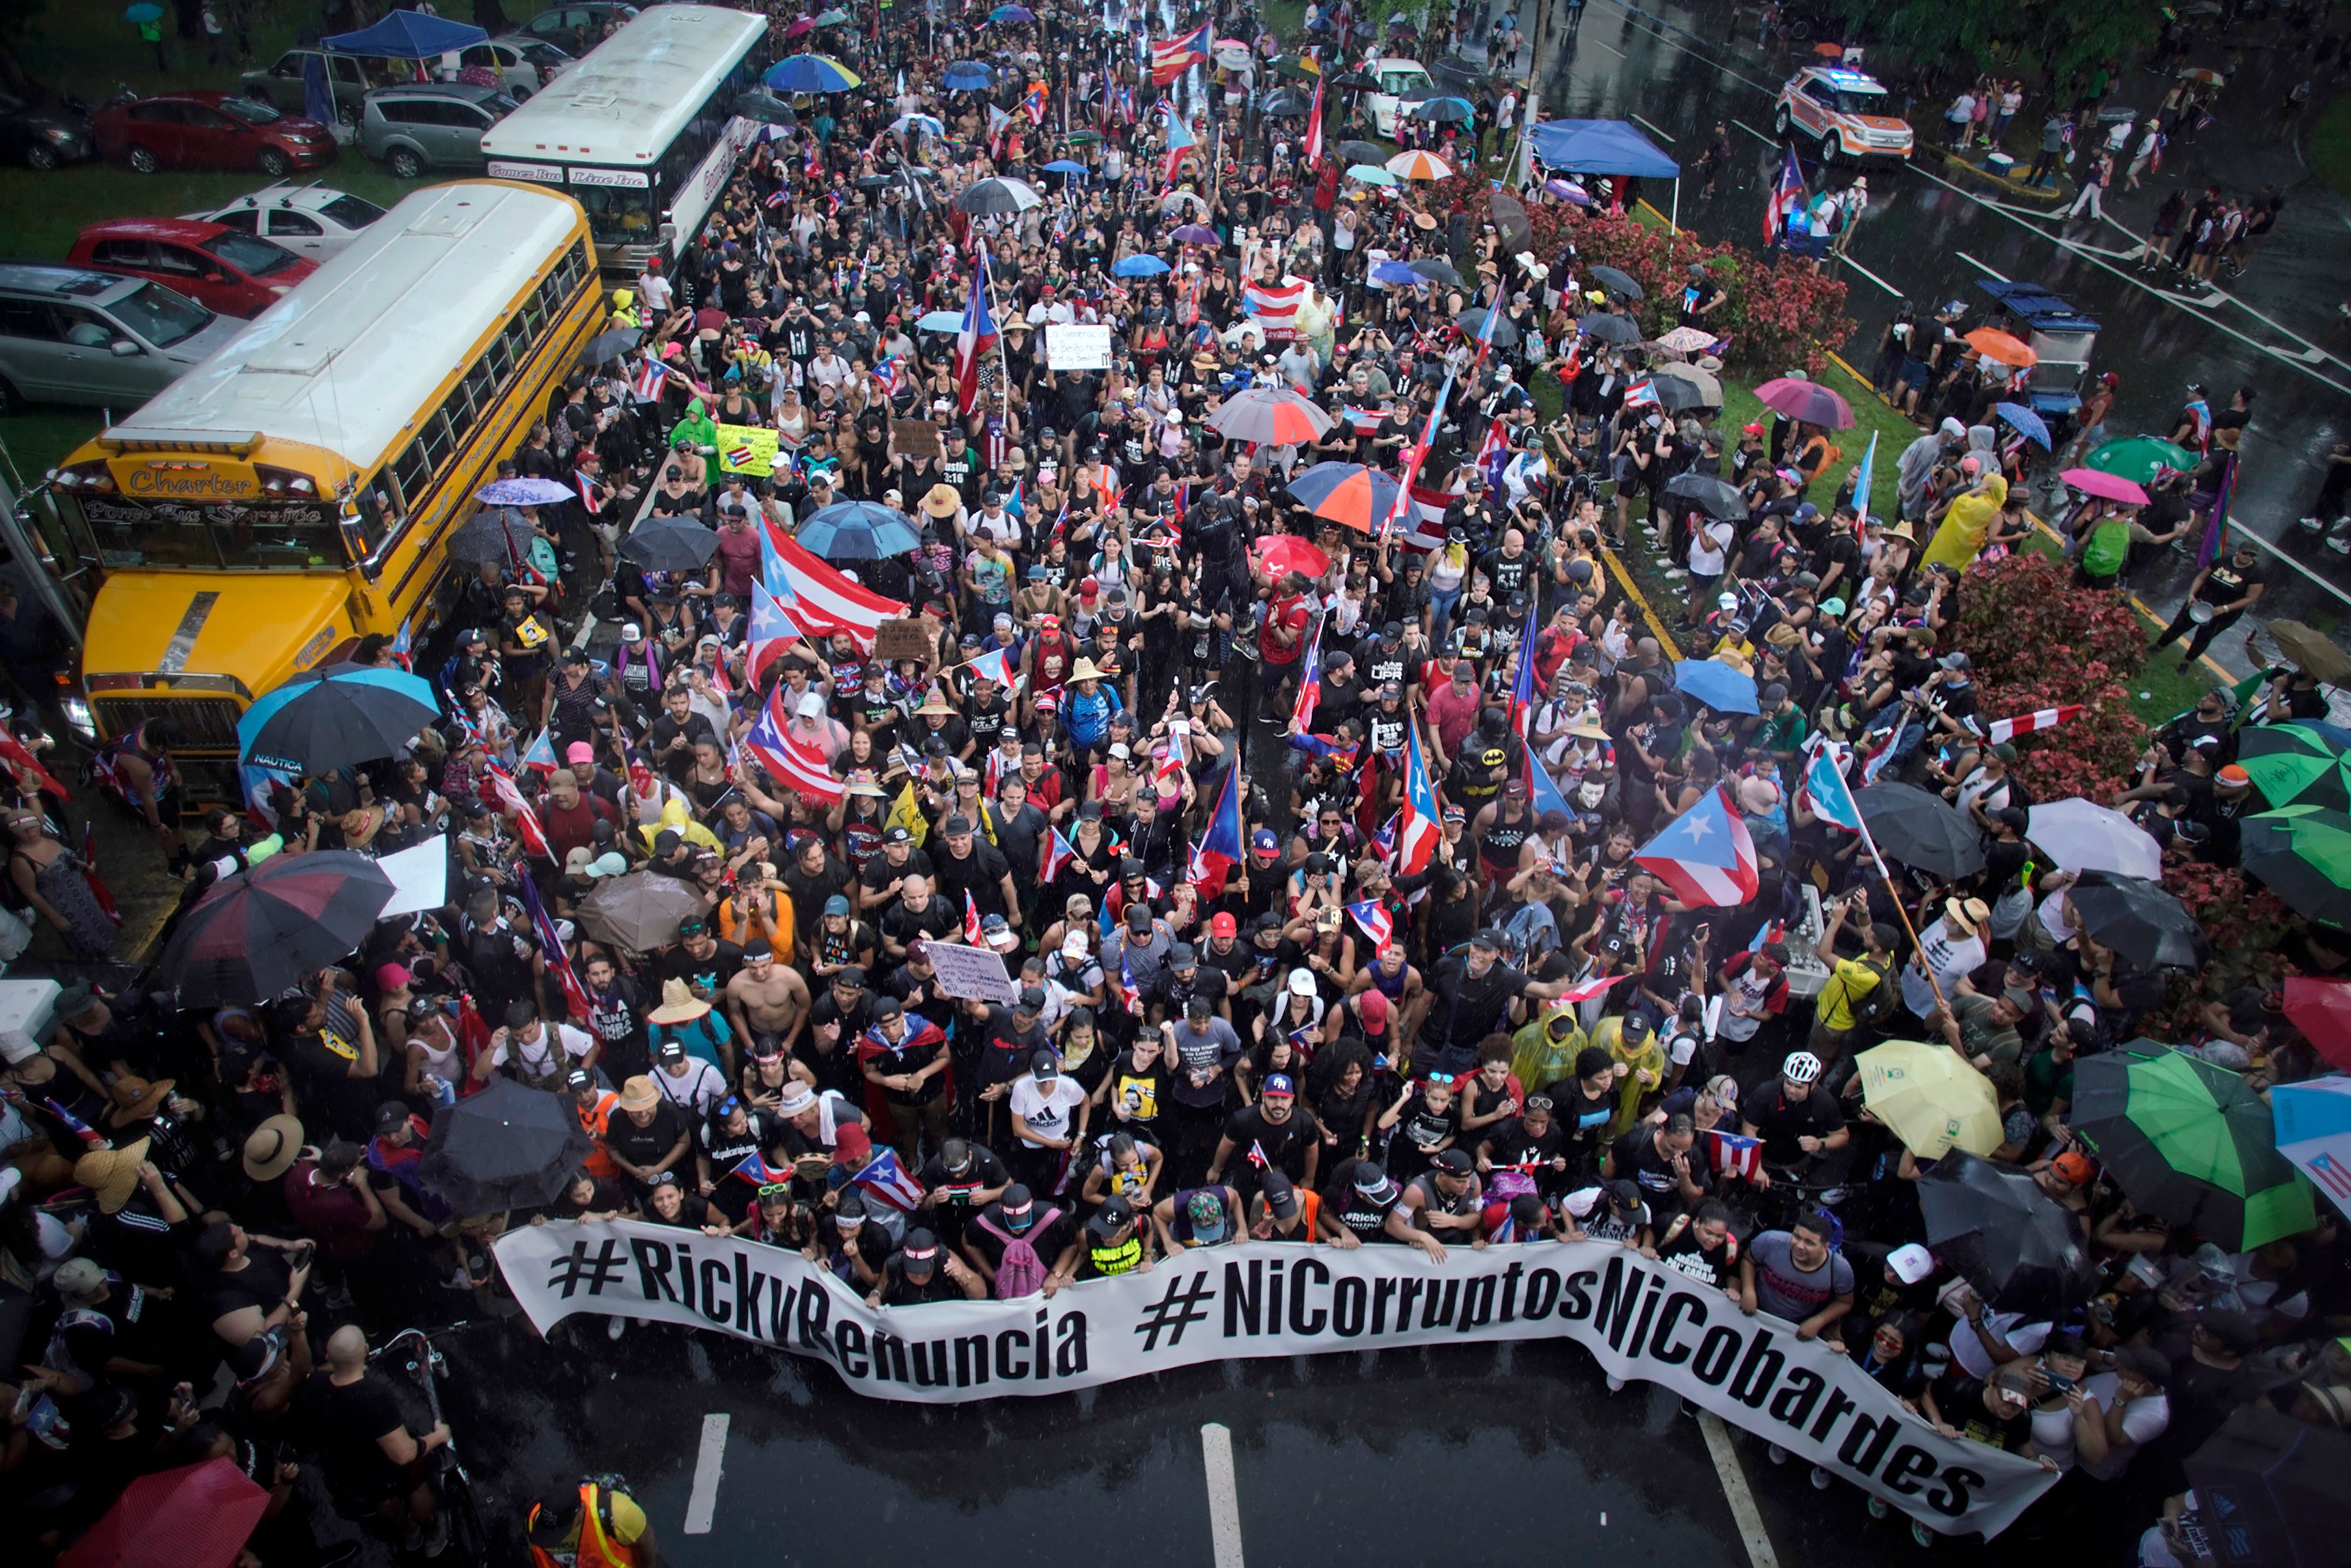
<point>1999,164</point>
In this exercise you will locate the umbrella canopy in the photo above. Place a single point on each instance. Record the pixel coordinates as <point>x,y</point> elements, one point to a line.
<point>197,1516</point>
<point>2025,423</point>
<point>968,75</point>
<point>1066,166</point>
<point>941,321</point>
<point>2295,765</point>
<point>490,535</point>
<point>998,197</point>
<point>1280,553</point>
<point>812,73</point>
<point>2311,1124</point>
<point>1347,492</point>
<point>506,1148</point>
<point>1140,265</point>
<point>2303,853</point>
<point>1685,341</point>
<point>860,530</point>
<point>1280,418</point>
<point>1708,495</point>
<point>1397,273</point>
<point>670,544</point>
<point>2276,1482</point>
<point>1921,829</point>
<point>523,493</point>
<point>259,932</point>
<point>336,716</point>
<point>2082,835</point>
<point>1370,174</point>
<point>1437,269</point>
<point>1285,101</point>
<point>1195,234</point>
<point>1473,325</point>
<point>1567,191</point>
<point>833,18</point>
<point>2310,648</point>
<point>145,11</point>
<point>1676,395</point>
<point>2004,347</point>
<point>2105,486</point>
<point>610,344</point>
<point>2138,919</point>
<point>1010,14</point>
<point>1232,54</point>
<point>800,26</point>
<point>2190,1142</point>
<point>1931,1098</point>
<point>2138,458</point>
<point>1510,219</point>
<point>2322,1010</point>
<point>640,911</point>
<point>1618,282</point>
<point>1708,389</point>
<point>1608,328</point>
<point>2019,1248</point>
<point>1807,401</point>
<point>1362,151</point>
<point>1717,685</point>
<point>1416,164</point>
<point>925,123</point>
<point>406,36</point>
<point>1443,107</point>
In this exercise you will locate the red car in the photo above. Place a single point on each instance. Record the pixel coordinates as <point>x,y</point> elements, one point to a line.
<point>210,130</point>
<point>223,269</point>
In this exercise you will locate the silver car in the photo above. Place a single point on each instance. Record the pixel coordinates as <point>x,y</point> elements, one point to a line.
<point>411,129</point>
<point>69,335</point>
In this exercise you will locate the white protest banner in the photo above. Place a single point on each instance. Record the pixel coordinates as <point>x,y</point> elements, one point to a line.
<point>1638,1319</point>
<point>1077,346</point>
<point>419,877</point>
<point>974,973</point>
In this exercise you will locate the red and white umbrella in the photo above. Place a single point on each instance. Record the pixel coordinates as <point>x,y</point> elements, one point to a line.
<point>1280,418</point>
<point>1416,164</point>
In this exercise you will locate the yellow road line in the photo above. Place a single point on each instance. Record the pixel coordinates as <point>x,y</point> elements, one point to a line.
<point>1631,591</point>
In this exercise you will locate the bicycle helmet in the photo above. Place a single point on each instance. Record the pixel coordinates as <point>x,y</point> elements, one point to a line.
<point>1801,1068</point>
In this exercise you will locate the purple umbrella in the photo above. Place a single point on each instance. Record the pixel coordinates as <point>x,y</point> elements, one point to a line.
<point>1195,234</point>
<point>1807,401</point>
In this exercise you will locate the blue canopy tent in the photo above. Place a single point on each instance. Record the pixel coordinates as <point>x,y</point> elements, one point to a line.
<point>407,35</point>
<point>1604,146</point>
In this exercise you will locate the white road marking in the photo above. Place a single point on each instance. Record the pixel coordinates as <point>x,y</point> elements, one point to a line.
<point>1734,1487</point>
<point>1848,261</point>
<point>1610,47</point>
<point>1657,33</point>
<point>1995,275</point>
<point>1651,129</point>
<point>1767,141</point>
<point>1224,1497</point>
<point>702,1504</point>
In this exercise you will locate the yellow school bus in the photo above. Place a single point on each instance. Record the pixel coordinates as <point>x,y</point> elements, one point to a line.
<point>295,491</point>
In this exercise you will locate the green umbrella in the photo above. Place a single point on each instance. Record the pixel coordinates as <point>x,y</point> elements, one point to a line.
<point>2190,1143</point>
<point>1370,174</point>
<point>2296,765</point>
<point>2137,459</point>
<point>2303,853</point>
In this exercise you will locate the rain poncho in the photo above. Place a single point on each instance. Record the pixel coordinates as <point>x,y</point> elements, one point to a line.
<point>1968,524</point>
<point>698,428</point>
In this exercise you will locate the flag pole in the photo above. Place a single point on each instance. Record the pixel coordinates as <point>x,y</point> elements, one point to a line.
<point>1886,878</point>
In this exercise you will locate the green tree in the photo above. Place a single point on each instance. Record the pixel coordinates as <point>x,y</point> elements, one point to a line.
<point>1967,35</point>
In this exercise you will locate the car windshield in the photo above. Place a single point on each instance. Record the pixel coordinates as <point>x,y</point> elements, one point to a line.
<point>350,212</point>
<point>160,315</point>
<point>252,113</point>
<point>253,257</point>
<point>1861,101</point>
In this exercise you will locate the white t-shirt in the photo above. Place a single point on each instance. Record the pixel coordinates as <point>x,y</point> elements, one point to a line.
<point>1949,955</point>
<point>1709,549</point>
<point>1968,1349</point>
<point>2144,1420</point>
<point>576,1043</point>
<point>1045,1106</point>
<point>696,1089</point>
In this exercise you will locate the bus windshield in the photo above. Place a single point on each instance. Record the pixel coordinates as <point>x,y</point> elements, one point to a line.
<point>160,315</point>
<point>618,214</point>
<point>286,536</point>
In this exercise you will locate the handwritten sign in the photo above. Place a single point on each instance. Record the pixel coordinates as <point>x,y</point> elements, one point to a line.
<point>916,438</point>
<point>974,973</point>
<point>747,449</point>
<point>1077,346</point>
<point>906,638</point>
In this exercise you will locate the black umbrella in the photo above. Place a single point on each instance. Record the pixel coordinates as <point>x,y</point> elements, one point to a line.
<point>1609,328</point>
<point>998,195</point>
<point>1511,218</point>
<point>670,544</point>
<point>2139,920</point>
<point>1921,829</point>
<point>1676,396</point>
<point>1473,323</point>
<point>257,933</point>
<point>1363,153</point>
<point>2271,1488</point>
<point>1618,282</point>
<point>871,182</point>
<point>334,717</point>
<point>1284,101</point>
<point>2021,1248</point>
<point>609,344</point>
<point>1436,270</point>
<point>761,105</point>
<point>506,1148</point>
<point>497,535</point>
<point>1356,81</point>
<point>1707,494</point>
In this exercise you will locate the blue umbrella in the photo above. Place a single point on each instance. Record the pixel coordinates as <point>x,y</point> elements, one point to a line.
<point>1443,109</point>
<point>523,493</point>
<point>1716,685</point>
<point>968,76</point>
<point>335,717</point>
<point>859,530</point>
<point>812,73</point>
<point>1064,166</point>
<point>941,321</point>
<point>1139,265</point>
<point>144,12</point>
<point>1397,273</point>
<point>920,123</point>
<point>2029,425</point>
<point>1012,13</point>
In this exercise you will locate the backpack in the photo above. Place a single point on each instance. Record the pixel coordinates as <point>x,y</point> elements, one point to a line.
<point>1875,1005</point>
<point>1021,1272</point>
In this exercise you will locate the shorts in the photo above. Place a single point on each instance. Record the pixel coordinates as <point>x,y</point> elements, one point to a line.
<point>1914,372</point>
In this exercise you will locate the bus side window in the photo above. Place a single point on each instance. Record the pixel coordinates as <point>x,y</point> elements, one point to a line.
<point>412,471</point>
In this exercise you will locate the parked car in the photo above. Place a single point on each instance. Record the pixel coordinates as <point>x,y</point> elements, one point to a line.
<point>219,267</point>
<point>210,130</point>
<point>437,126</point>
<point>42,136</point>
<point>1845,110</point>
<point>526,63</point>
<point>280,83</point>
<point>70,335</point>
<point>309,220</point>
<point>1396,77</point>
<point>577,29</point>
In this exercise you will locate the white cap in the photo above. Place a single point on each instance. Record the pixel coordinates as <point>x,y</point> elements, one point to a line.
<point>1301,982</point>
<point>812,705</point>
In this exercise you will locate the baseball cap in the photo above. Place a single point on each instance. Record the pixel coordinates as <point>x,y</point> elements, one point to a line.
<point>1372,1009</point>
<point>1223,924</point>
<point>1264,838</point>
<point>1910,1263</point>
<point>1455,1162</point>
<point>1280,1084</point>
<point>919,1255</point>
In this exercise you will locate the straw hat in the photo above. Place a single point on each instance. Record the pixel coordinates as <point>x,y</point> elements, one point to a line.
<point>135,1099</point>
<point>941,501</point>
<point>1966,916</point>
<point>113,1175</point>
<point>1086,670</point>
<point>271,1149</point>
<point>1422,220</point>
<point>938,704</point>
<point>638,1093</point>
<point>677,1005</point>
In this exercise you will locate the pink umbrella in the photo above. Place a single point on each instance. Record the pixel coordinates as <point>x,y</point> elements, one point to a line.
<point>195,1517</point>
<point>800,26</point>
<point>2105,486</point>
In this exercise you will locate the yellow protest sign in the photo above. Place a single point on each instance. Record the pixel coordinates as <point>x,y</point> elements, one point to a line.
<point>748,449</point>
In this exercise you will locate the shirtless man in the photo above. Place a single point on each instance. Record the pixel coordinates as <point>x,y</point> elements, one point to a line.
<point>768,1003</point>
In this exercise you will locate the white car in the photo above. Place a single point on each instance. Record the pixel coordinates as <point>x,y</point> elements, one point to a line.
<point>309,220</point>
<point>524,61</point>
<point>1396,77</point>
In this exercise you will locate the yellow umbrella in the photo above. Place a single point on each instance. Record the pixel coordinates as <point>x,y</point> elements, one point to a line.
<point>1932,1098</point>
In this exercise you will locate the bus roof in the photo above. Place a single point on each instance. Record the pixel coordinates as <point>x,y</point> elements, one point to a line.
<point>629,99</point>
<point>345,362</point>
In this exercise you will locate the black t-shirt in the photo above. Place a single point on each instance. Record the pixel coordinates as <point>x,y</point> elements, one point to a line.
<point>904,926</point>
<point>1638,1158</point>
<point>880,873</point>
<point>2227,583</point>
<point>325,1088</point>
<point>349,1421</point>
<point>644,1146</point>
<point>1283,1143</point>
<point>1959,1394</point>
<point>1583,1126</point>
<point>713,971</point>
<point>980,873</point>
<point>1468,1007</point>
<point>693,1213</point>
<point>263,1282</point>
<point>1363,1216</point>
<point>1781,1121</point>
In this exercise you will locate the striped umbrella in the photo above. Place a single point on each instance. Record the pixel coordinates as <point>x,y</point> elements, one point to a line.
<point>260,932</point>
<point>812,73</point>
<point>2189,1142</point>
<point>2295,765</point>
<point>1270,418</point>
<point>1416,164</point>
<point>1347,492</point>
<point>2303,853</point>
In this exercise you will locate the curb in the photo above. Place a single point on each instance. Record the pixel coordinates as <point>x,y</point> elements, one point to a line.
<point>2006,184</point>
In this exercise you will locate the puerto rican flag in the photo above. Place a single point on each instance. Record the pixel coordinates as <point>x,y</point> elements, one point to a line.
<point>971,929</point>
<point>1314,127</point>
<point>1128,991</point>
<point>1172,60</point>
<point>1059,852</point>
<point>820,597</point>
<point>1222,847</point>
<point>889,376</point>
<point>1826,789</point>
<point>539,754</point>
<point>1705,857</point>
<point>1276,309</point>
<point>2002,729</point>
<point>1422,825</point>
<point>1179,757</point>
<point>591,490</point>
<point>1589,990</point>
<point>1523,690</point>
<point>499,789</point>
<point>885,1179</point>
<point>1787,197</point>
<point>1310,683</point>
<point>1734,1153</point>
<point>1180,141</point>
<point>773,630</point>
<point>996,665</point>
<point>651,377</point>
<point>1378,923</point>
<point>974,338</point>
<point>1641,391</point>
<point>1493,455</point>
<point>402,649</point>
<point>551,943</point>
<point>791,762</point>
<point>1033,103</point>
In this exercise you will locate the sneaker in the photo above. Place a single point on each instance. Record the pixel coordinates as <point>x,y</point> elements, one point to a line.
<point>1615,1384</point>
<point>1821,1478</point>
<point>2339,538</point>
<point>1879,1508</point>
<point>413,1537</point>
<point>1775,1453</point>
<point>436,1538</point>
<point>1921,1534</point>
<point>2311,526</point>
<point>615,1327</point>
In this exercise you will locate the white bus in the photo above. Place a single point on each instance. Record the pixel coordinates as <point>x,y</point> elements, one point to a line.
<point>639,132</point>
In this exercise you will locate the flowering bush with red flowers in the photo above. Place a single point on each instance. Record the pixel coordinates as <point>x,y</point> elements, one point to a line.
<point>2039,642</point>
<point>1778,316</point>
<point>2244,924</point>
